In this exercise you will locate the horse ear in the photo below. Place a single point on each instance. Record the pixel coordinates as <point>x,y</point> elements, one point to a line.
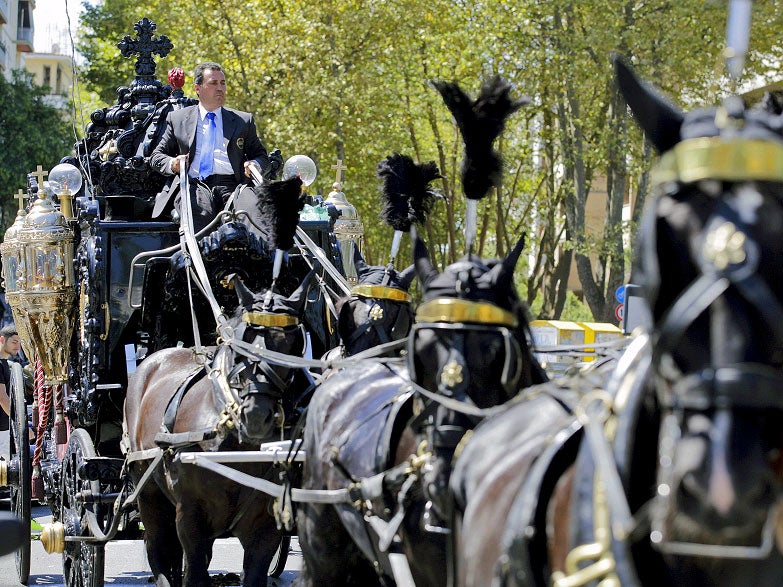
<point>245,296</point>
<point>659,119</point>
<point>510,262</point>
<point>358,262</point>
<point>421,260</point>
<point>405,277</point>
<point>297,299</point>
<point>505,271</point>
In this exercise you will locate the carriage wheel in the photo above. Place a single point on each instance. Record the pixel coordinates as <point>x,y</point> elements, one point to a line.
<point>277,566</point>
<point>21,485</point>
<point>82,561</point>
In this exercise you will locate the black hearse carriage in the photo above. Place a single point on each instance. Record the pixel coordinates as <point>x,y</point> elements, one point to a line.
<point>93,286</point>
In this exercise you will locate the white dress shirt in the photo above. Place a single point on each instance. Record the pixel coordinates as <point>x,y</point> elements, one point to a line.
<point>220,165</point>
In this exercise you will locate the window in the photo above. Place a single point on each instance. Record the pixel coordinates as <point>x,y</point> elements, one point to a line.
<point>47,77</point>
<point>59,88</point>
<point>25,15</point>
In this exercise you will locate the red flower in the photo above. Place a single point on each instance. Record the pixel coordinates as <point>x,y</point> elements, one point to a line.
<point>176,78</point>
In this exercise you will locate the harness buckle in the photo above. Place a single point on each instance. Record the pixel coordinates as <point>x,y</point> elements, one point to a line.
<point>356,496</point>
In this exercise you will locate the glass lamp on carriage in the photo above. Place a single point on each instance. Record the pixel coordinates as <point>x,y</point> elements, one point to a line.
<point>42,298</point>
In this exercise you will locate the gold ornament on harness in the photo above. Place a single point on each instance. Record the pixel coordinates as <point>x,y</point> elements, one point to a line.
<point>725,246</point>
<point>451,374</point>
<point>376,313</point>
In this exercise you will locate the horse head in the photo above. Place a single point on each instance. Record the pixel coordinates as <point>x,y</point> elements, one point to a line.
<point>469,338</point>
<point>271,321</point>
<point>469,345</point>
<point>379,307</point>
<point>708,259</point>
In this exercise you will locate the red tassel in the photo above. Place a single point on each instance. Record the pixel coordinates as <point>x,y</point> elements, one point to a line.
<point>37,489</point>
<point>60,430</point>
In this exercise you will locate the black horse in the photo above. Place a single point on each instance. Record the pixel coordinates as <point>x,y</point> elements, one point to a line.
<point>226,401</point>
<point>378,311</point>
<point>399,423</point>
<point>677,474</point>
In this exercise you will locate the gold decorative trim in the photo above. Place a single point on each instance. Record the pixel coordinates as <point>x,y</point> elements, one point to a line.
<point>381,292</point>
<point>269,320</point>
<point>715,158</point>
<point>454,310</point>
<point>53,538</point>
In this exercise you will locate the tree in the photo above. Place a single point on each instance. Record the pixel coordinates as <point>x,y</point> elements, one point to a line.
<point>32,133</point>
<point>349,79</point>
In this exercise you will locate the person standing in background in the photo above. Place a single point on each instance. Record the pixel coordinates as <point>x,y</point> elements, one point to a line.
<point>9,347</point>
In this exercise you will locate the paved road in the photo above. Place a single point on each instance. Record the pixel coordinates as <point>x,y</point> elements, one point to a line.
<point>126,562</point>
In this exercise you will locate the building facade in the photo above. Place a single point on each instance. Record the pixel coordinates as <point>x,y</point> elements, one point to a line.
<point>16,33</point>
<point>51,64</point>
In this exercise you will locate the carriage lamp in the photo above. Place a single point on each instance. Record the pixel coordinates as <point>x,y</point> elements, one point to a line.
<point>66,181</point>
<point>11,253</point>
<point>300,166</point>
<point>42,300</point>
<point>348,229</point>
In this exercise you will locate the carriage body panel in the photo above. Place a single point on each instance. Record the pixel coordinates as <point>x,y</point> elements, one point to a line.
<point>122,241</point>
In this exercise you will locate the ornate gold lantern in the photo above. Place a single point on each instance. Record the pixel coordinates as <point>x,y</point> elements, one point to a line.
<point>348,229</point>
<point>38,271</point>
<point>14,268</point>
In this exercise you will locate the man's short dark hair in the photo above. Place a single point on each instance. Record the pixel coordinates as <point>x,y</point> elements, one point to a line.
<point>198,74</point>
<point>8,331</point>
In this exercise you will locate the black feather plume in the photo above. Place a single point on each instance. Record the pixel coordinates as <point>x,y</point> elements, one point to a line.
<point>480,122</point>
<point>279,203</point>
<point>406,196</point>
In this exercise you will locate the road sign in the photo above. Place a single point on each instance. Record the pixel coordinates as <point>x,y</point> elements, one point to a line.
<point>619,295</point>
<point>619,311</point>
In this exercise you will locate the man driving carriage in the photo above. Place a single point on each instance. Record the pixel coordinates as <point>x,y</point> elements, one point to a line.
<point>220,145</point>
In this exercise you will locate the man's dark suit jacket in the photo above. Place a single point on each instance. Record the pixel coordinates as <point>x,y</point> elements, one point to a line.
<point>179,138</point>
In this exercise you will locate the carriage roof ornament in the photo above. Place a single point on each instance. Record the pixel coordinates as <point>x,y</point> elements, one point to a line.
<point>348,227</point>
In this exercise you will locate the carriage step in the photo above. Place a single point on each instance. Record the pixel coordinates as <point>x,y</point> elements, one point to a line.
<point>101,469</point>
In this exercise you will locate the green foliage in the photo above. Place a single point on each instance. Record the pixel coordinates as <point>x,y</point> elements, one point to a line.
<point>31,133</point>
<point>575,310</point>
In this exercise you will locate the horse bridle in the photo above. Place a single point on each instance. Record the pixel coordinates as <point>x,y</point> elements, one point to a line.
<point>727,258</point>
<point>449,316</point>
<point>721,387</point>
<point>259,371</point>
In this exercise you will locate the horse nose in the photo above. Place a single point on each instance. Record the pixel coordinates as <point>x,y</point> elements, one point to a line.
<point>258,416</point>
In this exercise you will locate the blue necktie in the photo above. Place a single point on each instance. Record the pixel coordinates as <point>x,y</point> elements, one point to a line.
<point>208,148</point>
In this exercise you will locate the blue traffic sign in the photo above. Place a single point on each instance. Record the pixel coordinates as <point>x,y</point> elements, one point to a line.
<point>619,295</point>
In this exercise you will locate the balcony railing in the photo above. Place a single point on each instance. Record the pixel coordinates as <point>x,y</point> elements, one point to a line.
<point>24,38</point>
